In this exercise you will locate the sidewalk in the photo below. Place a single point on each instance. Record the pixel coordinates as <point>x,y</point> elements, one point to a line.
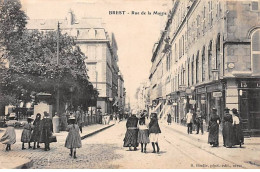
<point>247,156</point>
<point>181,129</point>
<point>18,158</point>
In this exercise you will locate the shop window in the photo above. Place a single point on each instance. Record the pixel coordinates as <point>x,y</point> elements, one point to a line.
<point>255,51</point>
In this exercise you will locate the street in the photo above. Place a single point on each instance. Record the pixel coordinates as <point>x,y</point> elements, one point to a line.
<point>178,150</point>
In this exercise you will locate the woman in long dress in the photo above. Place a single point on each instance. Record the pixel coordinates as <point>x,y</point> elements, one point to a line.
<point>131,134</point>
<point>46,131</point>
<point>73,140</point>
<point>227,129</point>
<point>214,128</point>
<point>238,137</point>
<point>36,131</point>
<point>9,136</point>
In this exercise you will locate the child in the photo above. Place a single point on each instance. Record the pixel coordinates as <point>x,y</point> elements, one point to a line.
<point>9,136</point>
<point>26,134</point>
<point>143,133</point>
<point>73,139</point>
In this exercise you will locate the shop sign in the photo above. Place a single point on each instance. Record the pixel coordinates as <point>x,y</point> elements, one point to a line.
<point>217,94</point>
<point>252,84</point>
<point>192,102</point>
<point>215,87</point>
<point>174,104</point>
<point>188,91</point>
<point>203,101</point>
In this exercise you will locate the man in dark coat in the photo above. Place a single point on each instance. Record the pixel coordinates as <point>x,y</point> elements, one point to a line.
<point>130,139</point>
<point>199,121</point>
<point>46,131</point>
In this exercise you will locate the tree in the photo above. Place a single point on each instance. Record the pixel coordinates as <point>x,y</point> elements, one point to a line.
<point>35,69</point>
<point>12,26</point>
<point>12,22</point>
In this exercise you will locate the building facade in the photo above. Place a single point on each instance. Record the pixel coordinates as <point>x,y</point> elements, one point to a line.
<point>100,49</point>
<point>208,56</point>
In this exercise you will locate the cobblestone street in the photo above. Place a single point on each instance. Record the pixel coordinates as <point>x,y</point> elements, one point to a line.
<point>105,150</point>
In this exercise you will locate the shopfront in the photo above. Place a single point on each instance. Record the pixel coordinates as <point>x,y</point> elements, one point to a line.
<point>201,95</point>
<point>215,98</point>
<point>249,106</point>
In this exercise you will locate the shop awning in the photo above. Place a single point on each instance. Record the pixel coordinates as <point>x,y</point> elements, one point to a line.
<point>159,116</point>
<point>156,107</point>
<point>166,111</point>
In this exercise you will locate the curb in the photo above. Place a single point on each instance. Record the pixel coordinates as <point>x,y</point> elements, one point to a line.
<point>95,132</point>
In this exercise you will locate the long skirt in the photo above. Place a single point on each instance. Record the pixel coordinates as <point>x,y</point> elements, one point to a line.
<point>213,134</point>
<point>131,138</point>
<point>143,136</point>
<point>228,134</point>
<point>238,135</point>
<point>9,136</point>
<point>26,136</point>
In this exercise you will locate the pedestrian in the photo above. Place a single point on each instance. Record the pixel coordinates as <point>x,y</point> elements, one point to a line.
<point>73,140</point>
<point>169,119</point>
<point>238,137</point>
<point>143,133</point>
<point>131,134</point>
<point>36,131</point>
<point>27,133</point>
<point>189,121</point>
<point>79,120</point>
<point>214,128</point>
<point>46,131</point>
<point>154,131</point>
<point>9,137</point>
<point>199,121</point>
<point>227,131</point>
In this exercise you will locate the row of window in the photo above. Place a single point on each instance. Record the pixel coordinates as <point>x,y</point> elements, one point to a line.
<point>195,67</point>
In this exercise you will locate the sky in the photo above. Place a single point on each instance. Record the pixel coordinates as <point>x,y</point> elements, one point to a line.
<point>135,34</point>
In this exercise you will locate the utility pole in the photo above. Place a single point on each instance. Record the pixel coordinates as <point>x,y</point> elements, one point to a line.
<point>56,117</point>
<point>58,89</point>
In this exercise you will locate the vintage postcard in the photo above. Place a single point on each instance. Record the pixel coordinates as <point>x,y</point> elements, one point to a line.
<point>129,84</point>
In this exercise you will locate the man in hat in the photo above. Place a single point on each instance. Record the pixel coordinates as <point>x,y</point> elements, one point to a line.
<point>199,121</point>
<point>46,130</point>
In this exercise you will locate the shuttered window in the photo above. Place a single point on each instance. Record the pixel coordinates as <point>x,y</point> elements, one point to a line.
<point>255,48</point>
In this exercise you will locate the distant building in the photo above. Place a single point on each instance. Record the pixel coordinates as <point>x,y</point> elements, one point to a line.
<point>100,49</point>
<point>208,56</point>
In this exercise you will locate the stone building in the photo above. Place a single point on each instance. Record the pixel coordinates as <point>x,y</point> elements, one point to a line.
<point>100,49</point>
<point>208,56</point>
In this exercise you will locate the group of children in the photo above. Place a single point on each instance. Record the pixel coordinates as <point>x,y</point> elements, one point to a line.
<point>32,133</point>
